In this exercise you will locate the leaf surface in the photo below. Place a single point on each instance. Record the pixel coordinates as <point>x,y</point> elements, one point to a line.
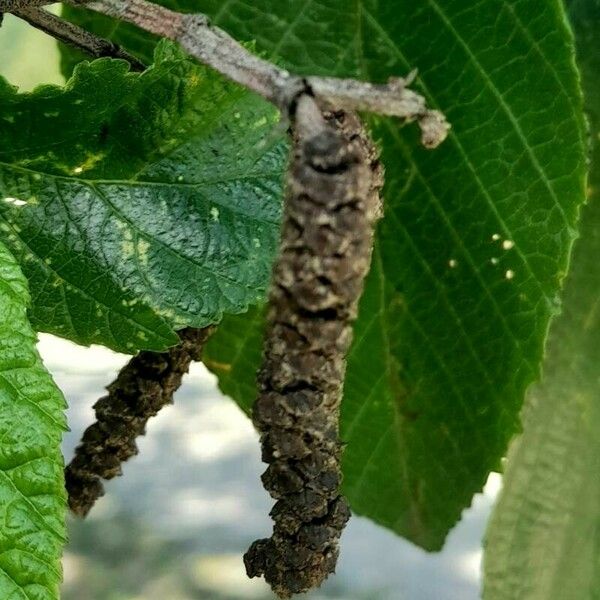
<point>472,249</point>
<point>542,541</point>
<point>32,493</point>
<point>139,203</point>
<point>474,243</point>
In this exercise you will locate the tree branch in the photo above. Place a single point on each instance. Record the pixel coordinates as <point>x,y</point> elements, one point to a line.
<point>11,6</point>
<point>75,36</point>
<point>216,48</point>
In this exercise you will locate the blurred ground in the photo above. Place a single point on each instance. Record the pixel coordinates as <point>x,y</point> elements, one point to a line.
<point>176,525</point>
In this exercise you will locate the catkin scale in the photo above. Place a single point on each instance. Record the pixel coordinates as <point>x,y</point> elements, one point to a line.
<point>332,203</point>
<point>143,386</point>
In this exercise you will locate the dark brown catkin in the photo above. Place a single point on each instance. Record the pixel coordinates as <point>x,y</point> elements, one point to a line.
<point>331,207</point>
<point>142,387</point>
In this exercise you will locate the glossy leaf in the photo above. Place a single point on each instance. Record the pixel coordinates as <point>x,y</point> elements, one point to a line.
<point>473,247</point>
<point>139,203</point>
<point>32,494</point>
<point>542,541</point>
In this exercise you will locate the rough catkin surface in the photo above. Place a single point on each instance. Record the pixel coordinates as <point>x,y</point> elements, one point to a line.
<point>331,207</point>
<point>143,386</point>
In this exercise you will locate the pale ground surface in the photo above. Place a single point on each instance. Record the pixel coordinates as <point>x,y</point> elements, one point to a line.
<point>175,527</point>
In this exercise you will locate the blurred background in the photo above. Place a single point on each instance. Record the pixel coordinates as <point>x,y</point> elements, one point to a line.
<point>176,525</point>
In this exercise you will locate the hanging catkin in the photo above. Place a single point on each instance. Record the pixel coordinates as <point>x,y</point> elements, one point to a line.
<point>142,387</point>
<point>331,207</point>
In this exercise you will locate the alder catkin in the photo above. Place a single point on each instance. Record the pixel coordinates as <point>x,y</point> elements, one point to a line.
<point>142,387</point>
<point>331,207</point>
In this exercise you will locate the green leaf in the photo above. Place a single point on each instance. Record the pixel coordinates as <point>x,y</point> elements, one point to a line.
<point>542,541</point>
<point>470,254</point>
<point>233,353</point>
<point>139,203</point>
<point>473,247</point>
<point>32,492</point>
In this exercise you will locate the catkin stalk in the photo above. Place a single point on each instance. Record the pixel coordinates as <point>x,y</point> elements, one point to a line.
<point>331,207</point>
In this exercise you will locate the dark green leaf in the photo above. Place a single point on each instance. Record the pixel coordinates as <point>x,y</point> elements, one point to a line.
<point>471,252</point>
<point>233,353</point>
<point>32,492</point>
<point>139,203</point>
<point>542,541</point>
<point>474,244</point>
